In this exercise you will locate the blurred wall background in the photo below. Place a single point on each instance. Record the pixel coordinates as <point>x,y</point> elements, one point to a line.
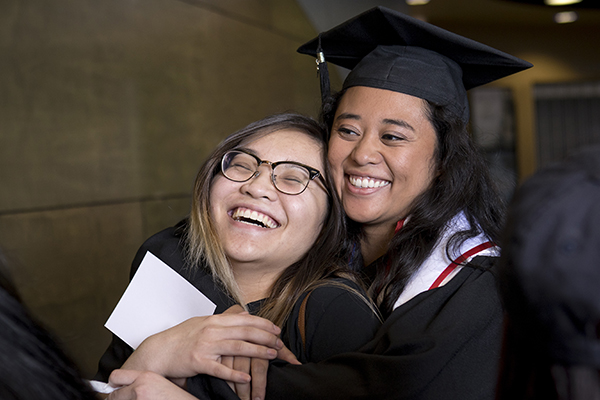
<point>108,108</point>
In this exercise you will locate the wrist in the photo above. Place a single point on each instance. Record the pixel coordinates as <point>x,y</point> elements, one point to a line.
<point>144,358</point>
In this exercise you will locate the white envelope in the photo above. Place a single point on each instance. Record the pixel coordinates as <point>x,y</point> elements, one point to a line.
<point>156,299</point>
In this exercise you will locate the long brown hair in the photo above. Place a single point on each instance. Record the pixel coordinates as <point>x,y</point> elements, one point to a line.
<point>321,264</point>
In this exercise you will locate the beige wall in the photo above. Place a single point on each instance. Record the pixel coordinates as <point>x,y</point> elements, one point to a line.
<point>107,109</point>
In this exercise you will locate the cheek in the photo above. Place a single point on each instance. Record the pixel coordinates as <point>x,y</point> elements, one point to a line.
<point>336,155</point>
<point>219,189</point>
<point>309,215</point>
<point>426,173</point>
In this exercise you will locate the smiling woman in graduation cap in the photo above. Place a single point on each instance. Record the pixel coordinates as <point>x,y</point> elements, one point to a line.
<point>426,215</point>
<point>404,164</point>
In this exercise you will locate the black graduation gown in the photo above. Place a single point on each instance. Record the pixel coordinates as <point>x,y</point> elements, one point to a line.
<point>345,322</point>
<point>442,344</point>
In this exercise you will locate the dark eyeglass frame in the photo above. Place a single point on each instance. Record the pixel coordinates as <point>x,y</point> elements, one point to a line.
<point>313,173</point>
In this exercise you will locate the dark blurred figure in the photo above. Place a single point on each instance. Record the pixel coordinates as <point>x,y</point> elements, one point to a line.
<point>32,366</point>
<point>550,284</point>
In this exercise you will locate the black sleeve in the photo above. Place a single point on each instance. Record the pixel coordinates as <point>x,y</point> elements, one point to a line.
<point>444,343</point>
<point>337,320</point>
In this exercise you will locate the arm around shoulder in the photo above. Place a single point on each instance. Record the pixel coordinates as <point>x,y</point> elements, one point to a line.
<point>338,319</point>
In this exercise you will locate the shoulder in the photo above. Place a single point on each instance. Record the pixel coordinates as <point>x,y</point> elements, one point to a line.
<point>337,318</point>
<point>471,297</point>
<point>338,298</point>
<point>332,291</point>
<point>482,272</point>
<point>166,240</point>
<point>168,245</point>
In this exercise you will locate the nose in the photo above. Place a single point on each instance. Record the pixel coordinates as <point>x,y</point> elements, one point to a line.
<point>366,150</point>
<point>261,185</point>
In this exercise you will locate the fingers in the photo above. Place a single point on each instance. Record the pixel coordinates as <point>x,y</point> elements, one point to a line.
<point>286,355</point>
<point>251,323</point>
<point>242,364</point>
<point>259,369</point>
<point>241,348</point>
<point>227,361</point>
<point>243,319</point>
<point>241,333</point>
<point>122,377</point>
<point>219,370</point>
<point>125,393</point>
<point>146,386</point>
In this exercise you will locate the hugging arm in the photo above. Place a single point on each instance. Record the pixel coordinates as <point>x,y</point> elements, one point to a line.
<point>336,321</point>
<point>443,343</point>
<point>197,345</point>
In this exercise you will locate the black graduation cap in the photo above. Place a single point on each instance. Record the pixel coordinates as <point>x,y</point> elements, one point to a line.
<point>389,50</point>
<point>550,269</point>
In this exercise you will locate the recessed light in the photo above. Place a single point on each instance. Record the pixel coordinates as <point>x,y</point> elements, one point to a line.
<point>419,2</point>
<point>561,2</point>
<point>565,17</point>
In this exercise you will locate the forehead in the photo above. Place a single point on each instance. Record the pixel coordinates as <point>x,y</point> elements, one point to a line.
<point>288,145</point>
<point>367,101</point>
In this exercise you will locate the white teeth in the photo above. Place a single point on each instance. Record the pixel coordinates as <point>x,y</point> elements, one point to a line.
<point>366,182</point>
<point>248,216</point>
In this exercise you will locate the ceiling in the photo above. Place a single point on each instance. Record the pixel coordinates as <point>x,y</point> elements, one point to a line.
<point>590,4</point>
<point>327,14</point>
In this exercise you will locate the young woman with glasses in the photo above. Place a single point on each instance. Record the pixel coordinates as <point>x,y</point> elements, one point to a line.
<point>266,232</point>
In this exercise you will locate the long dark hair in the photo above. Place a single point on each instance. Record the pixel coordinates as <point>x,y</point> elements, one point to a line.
<point>462,184</point>
<point>324,261</point>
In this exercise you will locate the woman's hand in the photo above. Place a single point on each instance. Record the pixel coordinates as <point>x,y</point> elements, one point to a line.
<point>144,385</point>
<point>257,368</point>
<point>197,345</point>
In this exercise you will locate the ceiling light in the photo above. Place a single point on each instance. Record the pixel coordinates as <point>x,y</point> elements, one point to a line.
<point>419,2</point>
<point>565,17</point>
<point>561,2</point>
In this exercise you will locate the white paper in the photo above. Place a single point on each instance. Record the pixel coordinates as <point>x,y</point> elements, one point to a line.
<point>102,387</point>
<point>156,299</point>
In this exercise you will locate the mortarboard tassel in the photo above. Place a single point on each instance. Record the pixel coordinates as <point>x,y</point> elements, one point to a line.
<point>323,73</point>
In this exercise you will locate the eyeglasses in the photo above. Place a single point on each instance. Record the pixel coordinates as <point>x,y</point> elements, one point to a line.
<point>288,177</point>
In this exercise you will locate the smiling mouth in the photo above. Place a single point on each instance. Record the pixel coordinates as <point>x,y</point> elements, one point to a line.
<point>252,217</point>
<point>366,182</point>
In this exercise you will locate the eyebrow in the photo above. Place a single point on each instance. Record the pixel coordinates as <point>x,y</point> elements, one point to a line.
<point>247,150</point>
<point>250,151</point>
<point>386,121</point>
<point>348,116</point>
<point>400,123</point>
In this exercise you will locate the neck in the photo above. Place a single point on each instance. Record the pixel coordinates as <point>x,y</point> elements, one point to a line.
<point>376,242</point>
<point>254,283</point>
